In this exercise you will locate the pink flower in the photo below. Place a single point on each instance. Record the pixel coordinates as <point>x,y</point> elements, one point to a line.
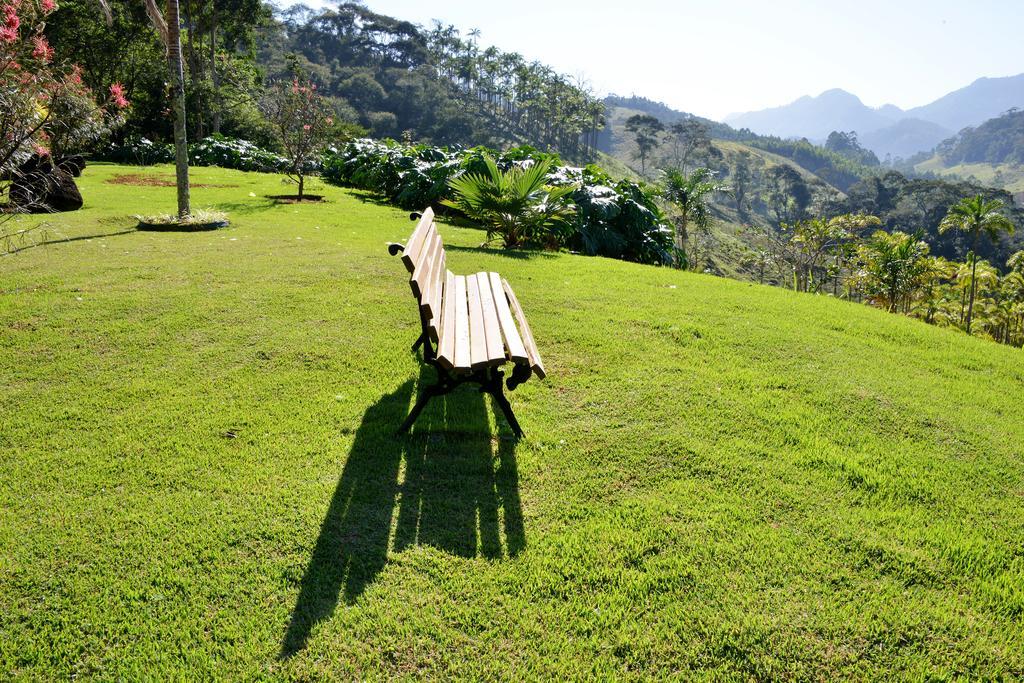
<point>48,6</point>
<point>11,19</point>
<point>117,95</point>
<point>41,50</point>
<point>9,29</point>
<point>40,150</point>
<point>306,127</point>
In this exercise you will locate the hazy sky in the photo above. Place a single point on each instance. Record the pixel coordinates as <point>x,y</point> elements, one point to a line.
<point>713,57</point>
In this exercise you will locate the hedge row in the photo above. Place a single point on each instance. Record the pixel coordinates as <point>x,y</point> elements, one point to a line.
<point>618,219</point>
<point>212,151</point>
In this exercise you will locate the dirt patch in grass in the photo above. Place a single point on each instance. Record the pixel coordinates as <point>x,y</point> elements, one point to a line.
<point>153,181</point>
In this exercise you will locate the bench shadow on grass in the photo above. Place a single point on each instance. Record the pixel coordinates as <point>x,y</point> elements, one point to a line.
<point>459,494</point>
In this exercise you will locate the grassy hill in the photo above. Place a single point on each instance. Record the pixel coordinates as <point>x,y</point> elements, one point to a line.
<point>1007,176</point>
<point>199,477</point>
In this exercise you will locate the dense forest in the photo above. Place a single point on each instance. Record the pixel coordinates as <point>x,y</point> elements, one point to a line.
<point>435,84</point>
<point>391,77</point>
<point>911,204</point>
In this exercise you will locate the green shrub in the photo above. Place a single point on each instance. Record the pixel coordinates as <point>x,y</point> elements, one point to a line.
<point>138,151</point>
<point>411,177</point>
<point>617,219</point>
<point>518,205</point>
<point>240,155</point>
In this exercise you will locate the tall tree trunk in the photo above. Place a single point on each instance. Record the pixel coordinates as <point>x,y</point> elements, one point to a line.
<point>302,179</point>
<point>177,70</point>
<point>974,281</point>
<point>215,119</point>
<point>680,241</point>
<point>195,66</point>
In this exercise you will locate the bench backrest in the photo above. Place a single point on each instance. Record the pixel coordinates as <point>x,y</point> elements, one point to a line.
<point>424,257</point>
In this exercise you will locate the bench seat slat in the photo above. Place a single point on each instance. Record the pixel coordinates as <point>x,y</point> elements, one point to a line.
<point>477,332</point>
<point>524,329</point>
<point>513,342</point>
<point>462,354</point>
<point>492,327</point>
<point>414,246</point>
<point>446,346</point>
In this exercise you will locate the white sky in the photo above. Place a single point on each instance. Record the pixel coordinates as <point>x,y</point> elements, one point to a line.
<point>714,57</point>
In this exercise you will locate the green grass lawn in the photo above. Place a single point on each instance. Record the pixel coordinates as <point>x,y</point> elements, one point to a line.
<point>199,477</point>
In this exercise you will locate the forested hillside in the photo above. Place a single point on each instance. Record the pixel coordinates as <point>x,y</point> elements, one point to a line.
<point>920,204</point>
<point>435,84</point>
<point>831,167</point>
<point>991,153</point>
<point>997,141</point>
<point>774,208</point>
<point>391,77</point>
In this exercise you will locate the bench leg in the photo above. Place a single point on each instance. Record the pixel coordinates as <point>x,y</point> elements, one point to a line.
<point>419,342</point>
<point>506,409</point>
<point>421,403</point>
<point>490,383</point>
<point>493,387</point>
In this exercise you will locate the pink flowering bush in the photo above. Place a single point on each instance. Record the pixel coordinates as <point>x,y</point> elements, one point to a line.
<point>117,96</point>
<point>45,108</point>
<point>303,121</point>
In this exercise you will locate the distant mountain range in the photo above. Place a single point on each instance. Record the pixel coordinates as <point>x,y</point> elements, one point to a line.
<point>888,129</point>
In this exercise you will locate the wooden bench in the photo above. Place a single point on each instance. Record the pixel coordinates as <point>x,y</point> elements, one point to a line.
<point>471,325</point>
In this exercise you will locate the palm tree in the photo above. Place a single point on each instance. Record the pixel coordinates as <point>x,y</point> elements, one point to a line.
<point>1016,262</point>
<point>170,34</point>
<point>893,267</point>
<point>689,194</point>
<point>974,216</point>
<point>1012,289</point>
<point>933,273</point>
<point>981,277</point>
<point>517,204</point>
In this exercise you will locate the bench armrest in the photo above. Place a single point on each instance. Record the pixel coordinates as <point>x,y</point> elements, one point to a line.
<point>536,365</point>
<point>520,373</point>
